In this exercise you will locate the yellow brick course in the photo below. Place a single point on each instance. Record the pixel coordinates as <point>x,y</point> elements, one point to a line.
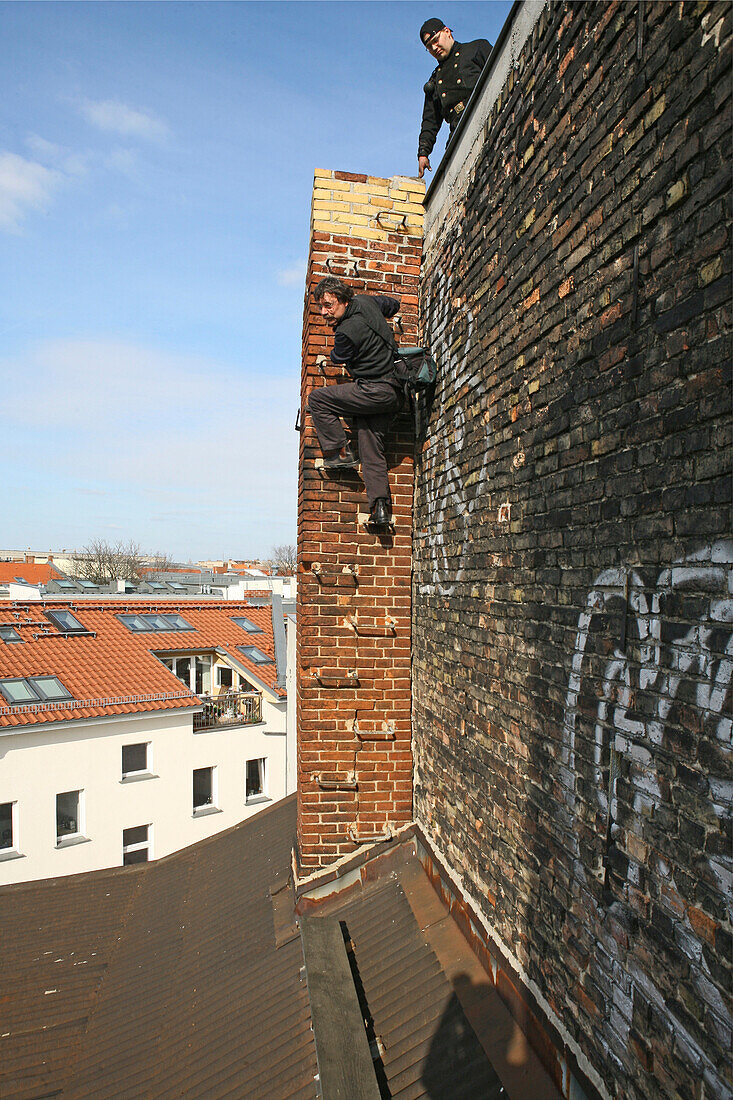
<point>350,219</point>
<point>320,207</point>
<point>410,184</point>
<point>372,189</point>
<point>410,208</point>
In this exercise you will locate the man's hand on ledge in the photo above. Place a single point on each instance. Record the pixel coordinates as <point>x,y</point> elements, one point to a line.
<point>423,163</point>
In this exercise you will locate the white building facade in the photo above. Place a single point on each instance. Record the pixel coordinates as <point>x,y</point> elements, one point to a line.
<point>94,791</point>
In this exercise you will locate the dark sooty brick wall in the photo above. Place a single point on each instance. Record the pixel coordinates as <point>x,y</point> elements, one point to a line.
<point>573,607</point>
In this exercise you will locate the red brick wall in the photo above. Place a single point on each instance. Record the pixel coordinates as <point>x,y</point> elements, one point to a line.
<point>354,736</point>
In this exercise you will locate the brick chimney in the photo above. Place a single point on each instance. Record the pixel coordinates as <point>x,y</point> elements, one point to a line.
<point>353,666</point>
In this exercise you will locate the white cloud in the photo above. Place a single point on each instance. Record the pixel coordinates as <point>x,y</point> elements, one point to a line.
<point>293,275</point>
<point>110,114</point>
<point>25,185</point>
<point>73,164</point>
<point>125,161</point>
<point>135,417</point>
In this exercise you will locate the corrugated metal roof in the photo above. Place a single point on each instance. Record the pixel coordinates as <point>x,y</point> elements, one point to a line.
<point>428,1047</point>
<point>185,977</point>
<point>166,976</point>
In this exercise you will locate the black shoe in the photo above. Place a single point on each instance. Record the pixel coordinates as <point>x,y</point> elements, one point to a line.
<point>381,514</point>
<point>343,459</point>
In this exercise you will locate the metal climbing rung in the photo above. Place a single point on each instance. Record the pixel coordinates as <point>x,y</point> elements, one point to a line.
<point>371,837</point>
<point>349,571</point>
<point>336,782</point>
<point>364,519</point>
<point>335,678</point>
<point>386,732</point>
<point>398,222</point>
<point>386,631</point>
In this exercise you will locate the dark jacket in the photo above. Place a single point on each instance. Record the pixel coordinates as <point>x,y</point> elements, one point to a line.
<point>364,352</point>
<point>449,88</point>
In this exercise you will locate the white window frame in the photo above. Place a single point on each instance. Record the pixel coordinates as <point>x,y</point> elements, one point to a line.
<point>225,668</point>
<point>68,839</point>
<point>208,807</point>
<point>13,852</point>
<point>147,771</point>
<point>138,846</point>
<point>262,796</point>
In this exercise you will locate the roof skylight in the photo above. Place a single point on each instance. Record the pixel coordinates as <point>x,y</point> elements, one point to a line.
<point>65,621</point>
<point>33,689</point>
<point>247,624</point>
<point>9,634</point>
<point>155,624</point>
<point>255,655</point>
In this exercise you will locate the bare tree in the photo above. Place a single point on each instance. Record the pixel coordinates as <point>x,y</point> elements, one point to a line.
<point>159,561</point>
<point>284,559</point>
<point>104,562</point>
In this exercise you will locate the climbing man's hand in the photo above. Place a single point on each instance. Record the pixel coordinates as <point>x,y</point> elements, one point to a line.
<point>423,163</point>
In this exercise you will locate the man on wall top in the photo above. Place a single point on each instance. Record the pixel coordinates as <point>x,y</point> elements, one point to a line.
<point>450,85</point>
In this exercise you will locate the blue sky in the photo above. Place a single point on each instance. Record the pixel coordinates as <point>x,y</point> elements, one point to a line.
<point>156,167</point>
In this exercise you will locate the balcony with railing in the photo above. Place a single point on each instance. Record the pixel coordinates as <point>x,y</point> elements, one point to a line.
<point>232,708</point>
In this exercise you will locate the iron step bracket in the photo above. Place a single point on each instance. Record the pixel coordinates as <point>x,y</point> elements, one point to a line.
<point>369,838</point>
<point>321,363</point>
<point>328,471</point>
<point>345,782</point>
<point>401,224</point>
<point>336,679</point>
<point>386,631</point>
<point>351,269</point>
<point>350,571</point>
<point>386,733</point>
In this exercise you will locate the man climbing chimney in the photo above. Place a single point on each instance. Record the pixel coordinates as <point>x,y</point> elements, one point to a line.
<point>365,345</point>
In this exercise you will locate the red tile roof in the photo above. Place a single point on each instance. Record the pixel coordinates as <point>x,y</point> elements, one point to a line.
<point>31,572</point>
<point>112,670</point>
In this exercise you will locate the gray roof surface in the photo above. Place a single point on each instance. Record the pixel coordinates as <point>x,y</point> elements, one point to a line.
<point>185,977</point>
<point>429,1048</point>
<point>166,977</point>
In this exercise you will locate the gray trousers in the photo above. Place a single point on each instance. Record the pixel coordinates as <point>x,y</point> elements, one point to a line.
<point>371,406</point>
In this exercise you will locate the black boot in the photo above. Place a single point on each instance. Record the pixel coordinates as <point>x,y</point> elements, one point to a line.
<point>381,514</point>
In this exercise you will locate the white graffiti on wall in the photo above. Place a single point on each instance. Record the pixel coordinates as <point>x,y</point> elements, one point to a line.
<point>669,654</point>
<point>663,664</point>
<point>452,493</point>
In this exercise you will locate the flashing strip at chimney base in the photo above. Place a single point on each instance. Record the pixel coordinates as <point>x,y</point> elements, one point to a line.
<point>351,868</point>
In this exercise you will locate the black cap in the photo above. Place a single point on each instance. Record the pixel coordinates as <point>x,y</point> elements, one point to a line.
<point>429,28</point>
